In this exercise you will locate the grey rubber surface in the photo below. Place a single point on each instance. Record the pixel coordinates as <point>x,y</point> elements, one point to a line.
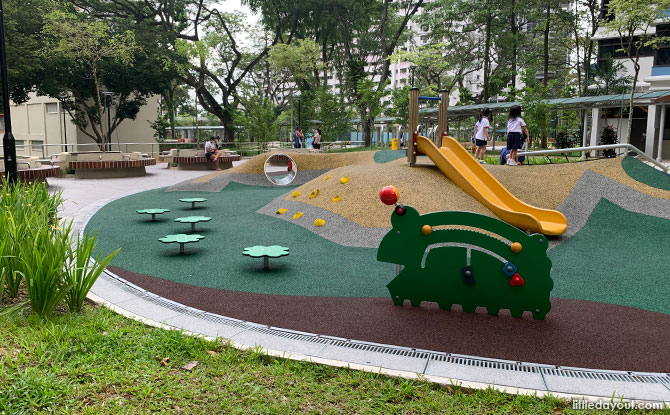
<point>217,183</point>
<point>592,187</point>
<point>337,229</point>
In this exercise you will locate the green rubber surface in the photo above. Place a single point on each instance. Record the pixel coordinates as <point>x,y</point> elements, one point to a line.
<point>315,267</point>
<point>646,174</point>
<point>384,156</point>
<point>618,257</point>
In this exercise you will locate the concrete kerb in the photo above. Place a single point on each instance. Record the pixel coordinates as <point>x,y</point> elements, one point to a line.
<point>88,212</point>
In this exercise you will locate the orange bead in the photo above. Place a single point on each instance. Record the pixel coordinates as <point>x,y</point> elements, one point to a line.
<point>516,247</point>
<point>427,229</point>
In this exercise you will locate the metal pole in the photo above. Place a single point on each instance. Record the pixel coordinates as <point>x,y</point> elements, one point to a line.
<point>108,99</point>
<point>8,142</point>
<point>64,127</point>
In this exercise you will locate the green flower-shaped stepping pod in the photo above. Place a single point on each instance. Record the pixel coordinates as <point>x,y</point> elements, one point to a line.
<point>181,239</point>
<point>193,220</point>
<point>152,212</point>
<point>266,252</point>
<point>193,201</point>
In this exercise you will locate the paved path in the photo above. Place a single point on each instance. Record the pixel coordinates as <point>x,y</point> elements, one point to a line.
<point>85,197</point>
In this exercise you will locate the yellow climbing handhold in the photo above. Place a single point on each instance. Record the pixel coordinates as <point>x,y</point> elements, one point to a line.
<point>344,180</point>
<point>319,222</point>
<point>295,194</point>
<point>281,211</point>
<point>326,178</point>
<point>337,198</point>
<point>297,215</point>
<point>314,194</point>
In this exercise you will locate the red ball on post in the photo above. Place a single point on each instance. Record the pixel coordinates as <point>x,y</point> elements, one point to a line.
<point>389,195</point>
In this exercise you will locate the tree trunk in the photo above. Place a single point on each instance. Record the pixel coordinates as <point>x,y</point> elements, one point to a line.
<point>545,79</point>
<point>636,65</point>
<point>515,43</point>
<point>368,124</point>
<point>487,65</point>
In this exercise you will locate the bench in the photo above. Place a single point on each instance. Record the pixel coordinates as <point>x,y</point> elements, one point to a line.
<point>108,165</point>
<point>196,160</point>
<point>31,170</point>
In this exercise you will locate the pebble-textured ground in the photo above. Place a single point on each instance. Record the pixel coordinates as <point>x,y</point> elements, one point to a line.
<point>427,189</point>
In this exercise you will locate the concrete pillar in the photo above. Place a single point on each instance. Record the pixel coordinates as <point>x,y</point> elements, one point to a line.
<point>595,126</point>
<point>661,135</point>
<point>585,133</point>
<point>653,122</point>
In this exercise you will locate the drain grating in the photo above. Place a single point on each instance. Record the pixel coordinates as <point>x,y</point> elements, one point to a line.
<point>607,376</point>
<point>545,370</point>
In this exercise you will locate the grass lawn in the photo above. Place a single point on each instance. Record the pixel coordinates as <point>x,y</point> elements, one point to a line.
<point>101,363</point>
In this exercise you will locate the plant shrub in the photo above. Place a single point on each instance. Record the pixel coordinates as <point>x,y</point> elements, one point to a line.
<point>37,249</point>
<point>80,275</point>
<point>609,136</point>
<point>563,140</point>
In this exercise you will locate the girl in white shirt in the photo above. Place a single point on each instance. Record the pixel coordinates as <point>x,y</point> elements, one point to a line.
<point>482,134</point>
<point>515,125</point>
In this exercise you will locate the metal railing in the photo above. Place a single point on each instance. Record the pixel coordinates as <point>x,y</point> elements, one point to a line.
<point>584,150</point>
<point>153,149</point>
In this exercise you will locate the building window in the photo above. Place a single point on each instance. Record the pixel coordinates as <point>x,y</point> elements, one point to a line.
<point>613,48</point>
<point>19,143</point>
<point>52,108</point>
<point>36,145</point>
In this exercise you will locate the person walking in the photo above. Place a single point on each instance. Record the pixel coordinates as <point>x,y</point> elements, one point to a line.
<point>316,143</point>
<point>515,126</point>
<point>482,134</point>
<point>297,138</point>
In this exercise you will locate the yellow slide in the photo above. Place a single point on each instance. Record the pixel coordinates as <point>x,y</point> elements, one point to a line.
<point>466,172</point>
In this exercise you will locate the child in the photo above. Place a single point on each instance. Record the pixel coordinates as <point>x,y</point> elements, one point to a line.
<point>482,134</point>
<point>515,125</point>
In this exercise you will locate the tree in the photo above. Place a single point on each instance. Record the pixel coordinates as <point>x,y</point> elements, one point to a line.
<point>334,115</point>
<point>206,49</point>
<point>400,105</point>
<point>610,78</point>
<point>632,21</point>
<point>371,31</point>
<point>536,109</point>
<point>24,21</point>
<point>437,66</point>
<point>92,53</point>
<point>258,118</point>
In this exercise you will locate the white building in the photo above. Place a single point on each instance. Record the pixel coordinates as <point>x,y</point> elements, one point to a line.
<point>651,124</point>
<point>41,128</point>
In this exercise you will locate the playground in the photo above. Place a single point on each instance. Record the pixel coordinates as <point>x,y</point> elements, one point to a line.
<point>609,302</point>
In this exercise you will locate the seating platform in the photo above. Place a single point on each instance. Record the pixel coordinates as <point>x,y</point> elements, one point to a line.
<point>110,165</point>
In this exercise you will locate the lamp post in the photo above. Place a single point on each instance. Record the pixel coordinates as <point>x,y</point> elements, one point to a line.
<point>63,97</point>
<point>299,118</point>
<point>108,102</point>
<point>8,143</point>
<point>411,70</point>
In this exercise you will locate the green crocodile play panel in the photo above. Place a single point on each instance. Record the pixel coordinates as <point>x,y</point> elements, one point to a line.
<point>468,259</point>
